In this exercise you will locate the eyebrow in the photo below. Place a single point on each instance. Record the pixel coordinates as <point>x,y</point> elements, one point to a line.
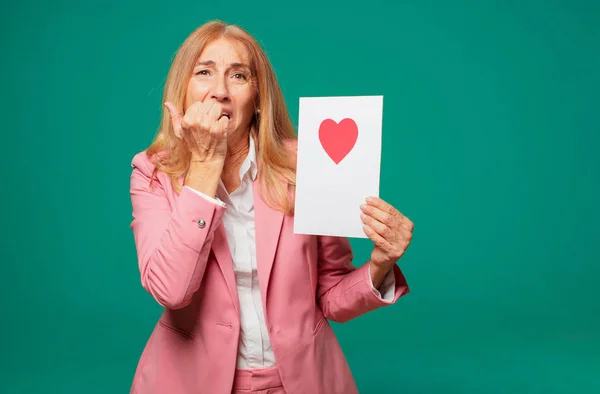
<point>211,63</point>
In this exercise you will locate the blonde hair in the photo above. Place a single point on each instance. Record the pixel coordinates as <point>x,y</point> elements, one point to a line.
<point>272,130</point>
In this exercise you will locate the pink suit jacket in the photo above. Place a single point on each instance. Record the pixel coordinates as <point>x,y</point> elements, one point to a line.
<point>185,264</point>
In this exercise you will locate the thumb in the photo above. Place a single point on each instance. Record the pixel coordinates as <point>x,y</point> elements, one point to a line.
<point>175,119</point>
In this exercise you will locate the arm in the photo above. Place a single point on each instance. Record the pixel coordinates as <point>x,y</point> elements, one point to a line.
<point>382,281</point>
<point>172,246</point>
<point>345,292</point>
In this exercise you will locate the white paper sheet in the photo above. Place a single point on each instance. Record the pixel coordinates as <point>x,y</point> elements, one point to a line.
<point>339,158</point>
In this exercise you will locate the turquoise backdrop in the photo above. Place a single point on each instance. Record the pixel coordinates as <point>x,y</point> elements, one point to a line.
<point>491,134</point>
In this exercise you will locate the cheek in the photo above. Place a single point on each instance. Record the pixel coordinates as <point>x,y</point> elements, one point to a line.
<point>246,104</point>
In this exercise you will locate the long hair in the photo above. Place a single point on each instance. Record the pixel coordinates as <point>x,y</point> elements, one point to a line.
<point>272,129</point>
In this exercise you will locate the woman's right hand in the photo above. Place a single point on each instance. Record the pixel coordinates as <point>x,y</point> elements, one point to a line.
<point>203,129</point>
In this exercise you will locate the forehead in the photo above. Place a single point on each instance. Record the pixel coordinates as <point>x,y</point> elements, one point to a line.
<point>225,50</point>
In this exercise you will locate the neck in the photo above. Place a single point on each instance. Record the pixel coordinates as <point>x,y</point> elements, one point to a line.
<point>237,150</point>
<point>238,146</point>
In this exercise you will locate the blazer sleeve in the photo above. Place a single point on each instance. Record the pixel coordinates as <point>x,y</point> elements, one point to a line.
<point>172,242</point>
<point>345,292</point>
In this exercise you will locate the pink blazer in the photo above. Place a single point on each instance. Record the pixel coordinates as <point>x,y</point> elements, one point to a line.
<point>185,264</point>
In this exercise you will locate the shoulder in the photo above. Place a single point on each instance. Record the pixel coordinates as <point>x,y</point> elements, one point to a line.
<point>145,176</point>
<point>144,163</point>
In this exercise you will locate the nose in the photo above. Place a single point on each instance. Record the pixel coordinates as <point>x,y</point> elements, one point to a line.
<point>219,91</point>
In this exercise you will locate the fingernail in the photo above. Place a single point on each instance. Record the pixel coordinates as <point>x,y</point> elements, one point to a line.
<point>363,206</point>
<point>369,199</point>
<point>363,216</point>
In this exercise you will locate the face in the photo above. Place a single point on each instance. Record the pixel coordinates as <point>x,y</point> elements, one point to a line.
<point>222,74</point>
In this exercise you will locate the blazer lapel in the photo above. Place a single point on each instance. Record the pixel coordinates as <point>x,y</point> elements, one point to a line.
<point>267,222</point>
<point>220,248</point>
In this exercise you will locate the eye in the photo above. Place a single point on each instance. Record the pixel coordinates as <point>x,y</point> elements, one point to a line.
<point>239,76</point>
<point>203,72</point>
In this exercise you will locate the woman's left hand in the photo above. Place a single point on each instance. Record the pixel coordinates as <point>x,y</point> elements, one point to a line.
<point>388,229</point>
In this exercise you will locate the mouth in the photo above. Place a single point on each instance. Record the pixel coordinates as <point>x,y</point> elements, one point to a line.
<point>226,114</point>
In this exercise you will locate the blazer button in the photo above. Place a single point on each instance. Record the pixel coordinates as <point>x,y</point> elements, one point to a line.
<point>201,223</point>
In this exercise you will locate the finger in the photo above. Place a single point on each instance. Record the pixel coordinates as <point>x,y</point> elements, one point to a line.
<point>197,111</point>
<point>200,106</point>
<point>395,220</point>
<point>392,213</point>
<point>382,205</point>
<point>202,115</point>
<point>386,218</point>
<point>383,230</point>
<point>196,114</point>
<point>407,224</point>
<point>215,112</point>
<point>377,239</point>
<point>175,119</point>
<point>222,125</point>
<point>405,236</point>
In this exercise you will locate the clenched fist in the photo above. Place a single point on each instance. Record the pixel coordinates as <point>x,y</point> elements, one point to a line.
<point>204,130</point>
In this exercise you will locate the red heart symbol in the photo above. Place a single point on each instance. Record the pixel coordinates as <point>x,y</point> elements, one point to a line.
<point>338,139</point>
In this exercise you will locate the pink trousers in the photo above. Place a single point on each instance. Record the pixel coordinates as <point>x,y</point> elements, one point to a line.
<point>257,381</point>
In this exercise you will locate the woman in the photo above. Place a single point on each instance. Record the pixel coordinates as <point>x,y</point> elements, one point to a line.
<point>246,300</point>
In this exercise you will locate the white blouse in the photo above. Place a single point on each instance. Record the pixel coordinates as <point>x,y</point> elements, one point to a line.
<point>254,349</point>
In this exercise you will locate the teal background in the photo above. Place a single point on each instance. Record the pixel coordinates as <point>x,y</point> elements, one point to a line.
<point>491,132</point>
